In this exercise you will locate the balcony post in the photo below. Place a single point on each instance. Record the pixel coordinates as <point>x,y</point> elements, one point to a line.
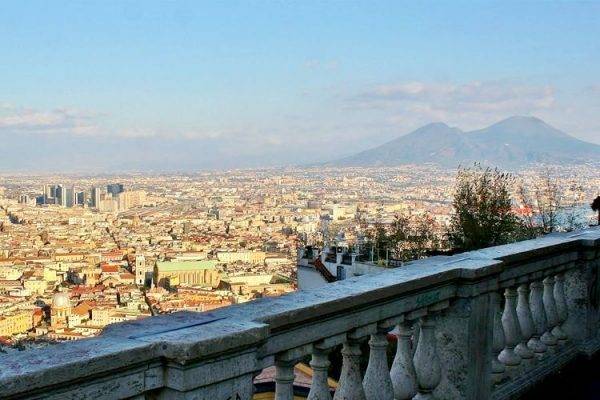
<point>552,309</point>
<point>561,305</point>
<point>521,348</point>
<point>498,369</point>
<point>404,379</point>
<point>427,361</point>
<point>549,308</point>
<point>536,303</point>
<point>525,323</point>
<point>284,379</point>
<point>508,356</point>
<point>319,388</point>
<point>350,386</point>
<point>377,382</point>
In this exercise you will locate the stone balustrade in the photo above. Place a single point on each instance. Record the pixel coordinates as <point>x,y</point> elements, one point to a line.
<point>487,324</point>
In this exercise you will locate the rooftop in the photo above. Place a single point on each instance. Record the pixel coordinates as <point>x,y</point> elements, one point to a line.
<point>186,265</point>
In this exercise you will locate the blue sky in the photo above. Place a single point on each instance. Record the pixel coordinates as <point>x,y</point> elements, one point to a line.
<point>266,79</point>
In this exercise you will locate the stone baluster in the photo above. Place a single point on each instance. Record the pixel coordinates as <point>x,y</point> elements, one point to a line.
<point>426,361</point>
<point>377,383</point>
<point>319,389</point>
<point>350,385</point>
<point>284,379</point>
<point>404,379</point>
<point>510,324</point>
<point>551,316</point>
<point>539,319</point>
<point>498,368</point>
<point>524,324</point>
<point>561,308</point>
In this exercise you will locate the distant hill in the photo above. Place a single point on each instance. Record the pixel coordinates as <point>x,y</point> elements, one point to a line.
<point>513,142</point>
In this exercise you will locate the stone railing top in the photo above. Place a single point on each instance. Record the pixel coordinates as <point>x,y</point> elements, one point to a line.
<point>188,337</point>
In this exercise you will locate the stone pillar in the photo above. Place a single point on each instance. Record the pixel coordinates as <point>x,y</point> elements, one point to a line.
<point>284,379</point>
<point>550,310</point>
<point>498,369</point>
<point>319,389</point>
<point>525,323</point>
<point>427,361</point>
<point>510,324</point>
<point>403,376</point>
<point>377,383</point>
<point>561,305</point>
<point>539,319</point>
<point>350,385</point>
<point>464,344</point>
<point>521,348</point>
<point>551,307</point>
<point>581,286</point>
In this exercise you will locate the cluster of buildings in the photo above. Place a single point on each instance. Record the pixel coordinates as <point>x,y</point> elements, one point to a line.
<point>110,198</point>
<point>72,262</point>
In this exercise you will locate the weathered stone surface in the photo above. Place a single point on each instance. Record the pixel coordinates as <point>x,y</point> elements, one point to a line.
<point>464,338</point>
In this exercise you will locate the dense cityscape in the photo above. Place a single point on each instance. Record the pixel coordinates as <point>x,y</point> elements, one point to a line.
<point>78,253</point>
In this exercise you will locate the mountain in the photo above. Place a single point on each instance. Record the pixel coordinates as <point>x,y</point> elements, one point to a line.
<point>513,142</point>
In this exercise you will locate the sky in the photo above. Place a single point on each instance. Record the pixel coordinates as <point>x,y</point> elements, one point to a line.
<point>222,84</point>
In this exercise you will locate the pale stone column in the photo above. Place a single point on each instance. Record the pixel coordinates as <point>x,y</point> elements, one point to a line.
<point>284,379</point>
<point>404,378</point>
<point>539,319</point>
<point>521,349</point>
<point>510,324</point>
<point>377,383</point>
<point>526,323</point>
<point>319,389</point>
<point>550,309</point>
<point>427,361</point>
<point>498,368</point>
<point>350,385</point>
<point>561,308</point>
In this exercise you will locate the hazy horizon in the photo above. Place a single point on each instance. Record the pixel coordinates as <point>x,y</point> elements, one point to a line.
<point>111,86</point>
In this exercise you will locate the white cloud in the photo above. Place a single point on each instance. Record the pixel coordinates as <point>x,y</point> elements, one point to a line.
<point>468,105</point>
<point>60,120</point>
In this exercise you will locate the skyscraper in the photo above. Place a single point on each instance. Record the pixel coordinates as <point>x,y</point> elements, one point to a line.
<point>61,195</point>
<point>96,196</point>
<point>70,197</point>
<point>114,188</point>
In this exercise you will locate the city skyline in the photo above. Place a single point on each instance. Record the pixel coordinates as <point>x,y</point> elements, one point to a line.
<point>261,84</point>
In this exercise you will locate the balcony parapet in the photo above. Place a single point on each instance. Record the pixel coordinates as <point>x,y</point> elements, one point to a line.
<point>478,325</point>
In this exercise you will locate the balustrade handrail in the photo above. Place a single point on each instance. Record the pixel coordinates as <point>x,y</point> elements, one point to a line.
<point>260,331</point>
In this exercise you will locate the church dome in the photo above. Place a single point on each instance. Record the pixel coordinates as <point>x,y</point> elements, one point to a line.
<point>61,300</point>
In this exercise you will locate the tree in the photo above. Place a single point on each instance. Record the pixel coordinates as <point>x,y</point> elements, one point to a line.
<point>413,237</point>
<point>596,207</point>
<point>546,209</point>
<point>483,214</point>
<point>406,238</point>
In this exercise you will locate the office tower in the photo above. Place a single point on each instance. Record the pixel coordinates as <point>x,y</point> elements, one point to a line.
<point>47,194</point>
<point>80,198</point>
<point>61,195</point>
<point>114,188</point>
<point>96,196</point>
<point>70,197</point>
